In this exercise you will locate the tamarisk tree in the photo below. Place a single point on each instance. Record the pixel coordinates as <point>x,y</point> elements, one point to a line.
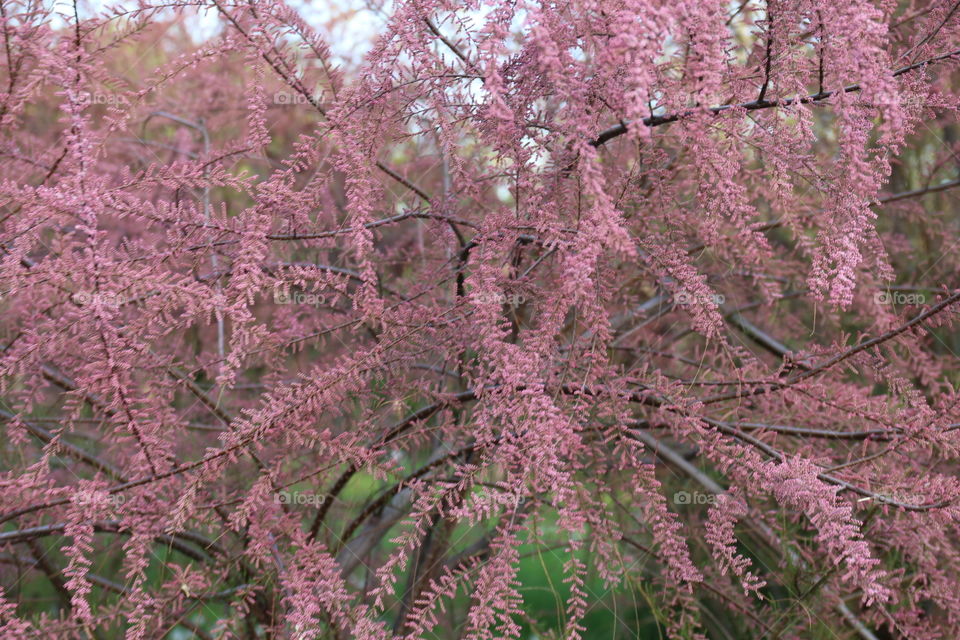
<point>645,305</point>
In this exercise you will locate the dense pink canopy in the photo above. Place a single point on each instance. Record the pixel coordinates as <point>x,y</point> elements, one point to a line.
<point>664,288</point>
